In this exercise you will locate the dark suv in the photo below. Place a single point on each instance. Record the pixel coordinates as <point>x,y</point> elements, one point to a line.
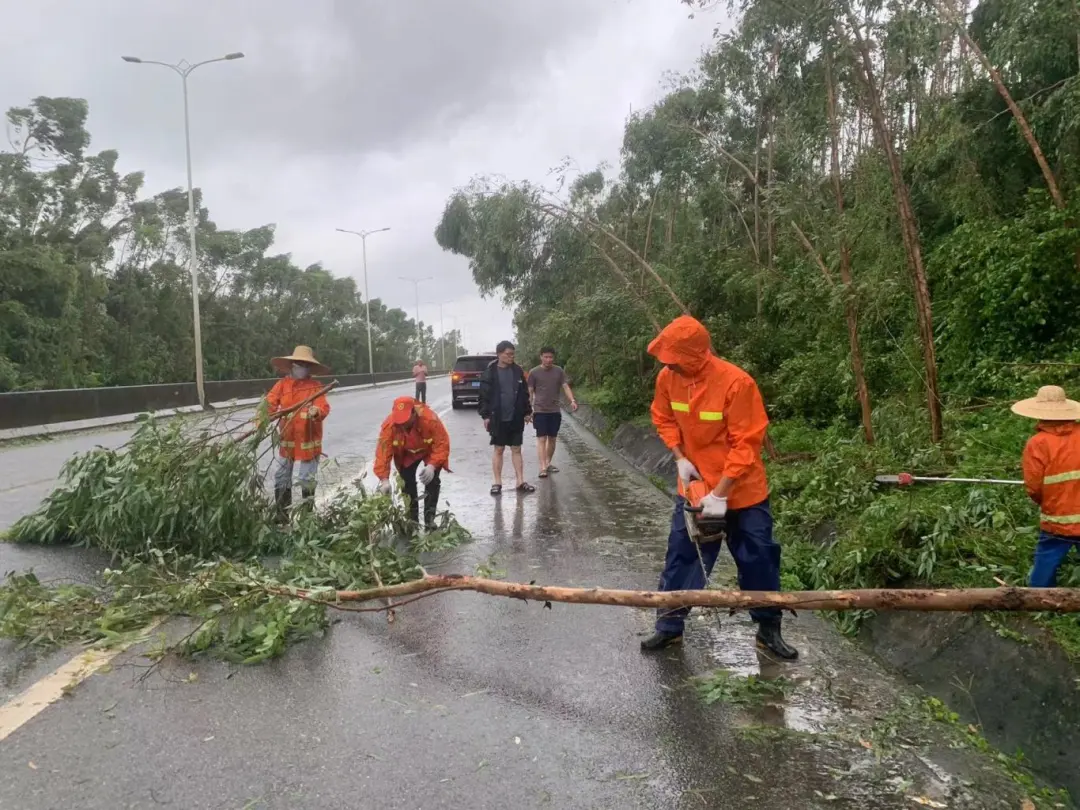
<point>465,378</point>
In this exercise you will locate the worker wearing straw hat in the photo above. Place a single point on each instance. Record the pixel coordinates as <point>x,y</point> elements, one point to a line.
<point>300,432</point>
<point>1052,478</point>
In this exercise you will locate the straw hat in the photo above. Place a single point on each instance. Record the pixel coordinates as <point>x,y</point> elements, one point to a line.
<point>1049,405</point>
<point>301,354</point>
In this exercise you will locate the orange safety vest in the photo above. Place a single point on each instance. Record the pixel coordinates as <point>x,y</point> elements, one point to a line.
<point>1052,476</point>
<point>712,410</point>
<point>300,433</point>
<point>427,441</point>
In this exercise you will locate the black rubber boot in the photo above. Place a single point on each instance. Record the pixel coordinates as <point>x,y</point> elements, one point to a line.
<point>282,502</point>
<point>431,502</point>
<point>307,492</point>
<point>661,641</point>
<point>770,639</point>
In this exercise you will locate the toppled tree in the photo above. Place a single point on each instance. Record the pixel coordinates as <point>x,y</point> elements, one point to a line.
<point>182,511</point>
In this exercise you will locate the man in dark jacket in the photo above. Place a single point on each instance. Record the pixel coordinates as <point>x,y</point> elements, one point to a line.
<point>505,408</point>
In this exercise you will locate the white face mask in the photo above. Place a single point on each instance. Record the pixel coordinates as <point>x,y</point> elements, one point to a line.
<point>300,371</point>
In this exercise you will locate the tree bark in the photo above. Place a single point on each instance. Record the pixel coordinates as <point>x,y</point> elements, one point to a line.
<point>851,309</point>
<point>909,228</point>
<point>1058,600</point>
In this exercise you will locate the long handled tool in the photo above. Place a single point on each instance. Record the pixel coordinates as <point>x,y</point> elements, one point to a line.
<point>907,479</point>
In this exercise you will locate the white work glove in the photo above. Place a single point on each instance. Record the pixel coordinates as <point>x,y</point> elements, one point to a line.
<point>384,486</point>
<point>687,471</point>
<point>713,506</point>
<point>426,474</point>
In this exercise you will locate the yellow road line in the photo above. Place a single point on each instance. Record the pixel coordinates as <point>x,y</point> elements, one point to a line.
<point>38,697</point>
<point>28,705</point>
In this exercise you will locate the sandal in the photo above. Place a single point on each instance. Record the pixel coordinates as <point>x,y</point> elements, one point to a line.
<point>526,487</point>
<point>543,473</point>
<point>496,489</point>
<point>552,468</point>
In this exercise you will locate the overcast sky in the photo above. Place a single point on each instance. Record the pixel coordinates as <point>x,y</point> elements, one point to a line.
<point>359,115</point>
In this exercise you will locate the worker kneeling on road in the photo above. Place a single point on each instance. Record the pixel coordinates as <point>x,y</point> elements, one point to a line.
<point>413,435</point>
<point>710,413</point>
<point>1052,478</point>
<point>300,432</point>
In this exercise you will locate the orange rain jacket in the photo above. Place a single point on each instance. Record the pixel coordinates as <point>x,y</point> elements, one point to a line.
<point>300,433</point>
<point>427,441</point>
<point>1052,476</point>
<point>712,410</point>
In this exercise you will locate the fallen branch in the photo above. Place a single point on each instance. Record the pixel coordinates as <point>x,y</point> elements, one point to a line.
<point>326,389</point>
<point>1056,600</point>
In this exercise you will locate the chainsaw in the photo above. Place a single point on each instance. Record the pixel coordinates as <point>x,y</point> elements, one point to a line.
<point>702,528</point>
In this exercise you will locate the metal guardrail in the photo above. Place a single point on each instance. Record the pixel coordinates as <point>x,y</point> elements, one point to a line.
<point>21,409</point>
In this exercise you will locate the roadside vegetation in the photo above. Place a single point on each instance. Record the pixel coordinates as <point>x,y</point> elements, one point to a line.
<point>95,289</point>
<point>873,210</point>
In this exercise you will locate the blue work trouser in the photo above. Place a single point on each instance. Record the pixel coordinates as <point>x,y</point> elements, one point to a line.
<point>750,540</point>
<point>1050,553</point>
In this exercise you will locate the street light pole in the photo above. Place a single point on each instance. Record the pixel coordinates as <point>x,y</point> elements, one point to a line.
<point>367,298</point>
<point>416,285</point>
<point>183,69</point>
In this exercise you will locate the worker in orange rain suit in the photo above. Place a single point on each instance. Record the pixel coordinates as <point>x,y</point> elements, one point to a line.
<point>1052,478</point>
<point>300,432</point>
<point>415,438</point>
<point>710,413</point>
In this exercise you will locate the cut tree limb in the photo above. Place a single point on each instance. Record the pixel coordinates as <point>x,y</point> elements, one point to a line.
<point>1057,600</point>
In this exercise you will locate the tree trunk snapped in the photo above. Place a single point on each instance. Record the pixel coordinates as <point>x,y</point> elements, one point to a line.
<point>1057,600</point>
<point>851,310</point>
<point>909,228</point>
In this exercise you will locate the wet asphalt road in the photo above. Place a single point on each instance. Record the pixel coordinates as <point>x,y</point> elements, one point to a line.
<point>481,702</point>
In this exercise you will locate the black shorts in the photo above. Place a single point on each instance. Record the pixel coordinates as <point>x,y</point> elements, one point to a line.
<point>547,424</point>
<point>507,434</point>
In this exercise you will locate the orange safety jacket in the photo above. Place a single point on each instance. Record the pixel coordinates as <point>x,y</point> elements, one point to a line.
<point>1052,476</point>
<point>300,433</point>
<point>712,410</point>
<point>426,440</point>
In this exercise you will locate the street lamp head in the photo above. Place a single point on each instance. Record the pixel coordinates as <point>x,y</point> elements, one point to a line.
<point>134,59</point>
<point>234,55</point>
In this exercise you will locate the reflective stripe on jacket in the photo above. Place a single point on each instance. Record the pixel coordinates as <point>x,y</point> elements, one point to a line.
<point>300,433</point>
<point>712,409</point>
<point>427,441</point>
<point>1052,476</point>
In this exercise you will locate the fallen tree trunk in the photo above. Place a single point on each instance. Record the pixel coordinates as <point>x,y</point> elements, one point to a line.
<point>1057,600</point>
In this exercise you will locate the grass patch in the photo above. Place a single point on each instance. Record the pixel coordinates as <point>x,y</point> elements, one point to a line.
<point>722,686</point>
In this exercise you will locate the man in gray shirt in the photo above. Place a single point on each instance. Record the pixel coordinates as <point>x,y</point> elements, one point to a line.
<point>546,381</point>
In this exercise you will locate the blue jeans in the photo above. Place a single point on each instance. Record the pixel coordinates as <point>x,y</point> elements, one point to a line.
<point>750,540</point>
<point>1050,553</point>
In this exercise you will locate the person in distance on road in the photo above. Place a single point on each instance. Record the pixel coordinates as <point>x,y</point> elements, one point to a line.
<point>419,373</point>
<point>300,433</point>
<point>1051,464</point>
<point>546,381</point>
<point>417,441</point>
<point>505,408</point>
<point>710,413</point>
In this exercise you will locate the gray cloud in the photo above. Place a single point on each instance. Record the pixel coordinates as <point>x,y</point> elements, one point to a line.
<point>356,115</point>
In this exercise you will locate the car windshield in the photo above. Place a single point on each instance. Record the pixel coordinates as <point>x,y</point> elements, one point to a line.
<point>473,363</point>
